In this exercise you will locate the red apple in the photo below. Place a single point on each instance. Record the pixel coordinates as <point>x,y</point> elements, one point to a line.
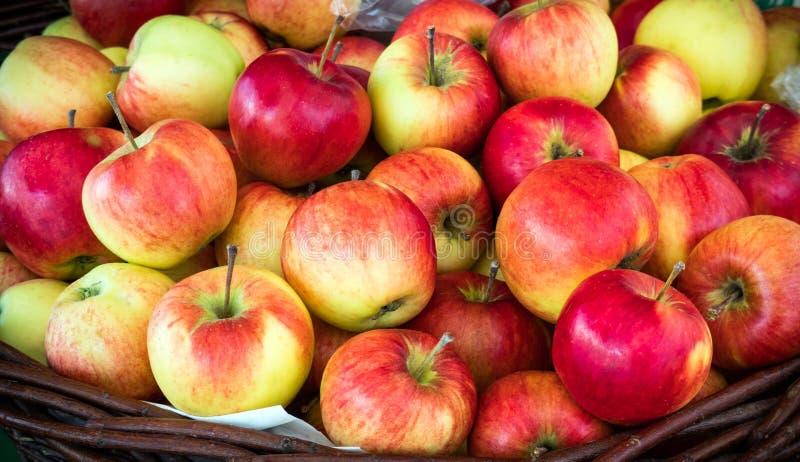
<point>757,147</point>
<point>243,176</point>
<point>43,222</point>
<point>629,348</point>
<point>604,4</point>
<point>693,197</point>
<point>327,339</point>
<point>242,34</point>
<point>567,220</point>
<point>295,120</point>
<point>396,391</point>
<point>744,277</point>
<point>12,271</point>
<point>554,48</point>
<point>493,333</point>
<point>527,413</point>
<point>364,161</point>
<point>357,50</point>
<point>627,16</point>
<point>113,22</point>
<point>540,130</point>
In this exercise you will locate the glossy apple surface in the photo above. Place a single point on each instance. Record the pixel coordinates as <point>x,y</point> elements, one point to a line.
<point>114,22</point>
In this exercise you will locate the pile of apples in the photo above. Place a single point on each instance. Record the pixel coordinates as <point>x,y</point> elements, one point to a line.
<point>461,236</point>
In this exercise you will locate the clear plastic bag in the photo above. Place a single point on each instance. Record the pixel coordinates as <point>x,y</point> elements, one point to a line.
<point>383,15</point>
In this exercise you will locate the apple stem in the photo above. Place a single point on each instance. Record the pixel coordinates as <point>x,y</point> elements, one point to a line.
<point>493,267</point>
<point>118,113</point>
<point>713,313</point>
<point>425,365</point>
<point>465,235</point>
<point>355,174</point>
<point>337,49</point>
<point>71,118</point>
<point>432,80</point>
<point>676,270</point>
<point>326,50</point>
<point>538,451</point>
<point>756,122</point>
<point>120,69</point>
<point>232,251</point>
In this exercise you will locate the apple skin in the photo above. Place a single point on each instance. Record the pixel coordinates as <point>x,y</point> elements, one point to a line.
<point>97,332</point>
<point>655,98</point>
<point>241,33</point>
<point>409,111</point>
<point>69,27</point>
<point>370,398</point>
<point>243,176</point>
<point>46,173</point>
<point>693,197</point>
<point>292,136</point>
<point>25,311</point>
<point>327,339</point>
<point>629,159</point>
<point>451,194</point>
<point>754,263</point>
<point>568,219</point>
<point>114,22</point>
<point>38,86</point>
<point>357,50</point>
<point>12,271</point>
<point>189,342</point>
<point>539,130</point>
<point>117,55</point>
<point>625,356</point>
<point>783,49</point>
<point>766,168</point>
<point>529,410</point>
<point>342,240</point>
<point>715,382</point>
<point>494,338</point>
<point>733,55</point>
<point>160,204</point>
<point>229,6</point>
<point>574,53</point>
<point>626,18</point>
<point>205,258</point>
<point>301,25</point>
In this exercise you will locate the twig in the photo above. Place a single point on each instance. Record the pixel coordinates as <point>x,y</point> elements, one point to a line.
<point>49,399</point>
<point>788,405</point>
<point>783,436</point>
<point>9,353</point>
<point>733,416</point>
<point>717,444</point>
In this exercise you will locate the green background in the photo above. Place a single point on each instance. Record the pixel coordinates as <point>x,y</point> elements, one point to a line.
<point>7,451</point>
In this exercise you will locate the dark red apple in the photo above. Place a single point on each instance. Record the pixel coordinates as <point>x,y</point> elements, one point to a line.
<point>113,22</point>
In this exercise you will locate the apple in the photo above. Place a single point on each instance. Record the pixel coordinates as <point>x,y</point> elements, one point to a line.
<point>725,43</point>
<point>38,86</point>
<point>604,4</point>
<point>43,174</point>
<point>205,258</point>
<point>626,18</point>
<point>568,219</point>
<point>756,145</point>
<point>114,22</point>
<point>97,332</point>
<point>25,310</point>
<point>296,117</point>
<point>493,333</point>
<point>241,33</point>
<point>655,98</point>
<point>258,225</point>
<point>367,157</point>
<point>527,413</point>
<point>361,255</point>
<point>327,339</point>
<point>230,6</point>
<point>357,50</point>
<point>160,198</point>
<point>783,50</point>
<point>12,271</point>
<point>398,391</point>
<point>457,206</point>
<point>466,19</point>
<point>301,25</point>
<point>118,55</point>
<point>179,67</point>
<point>486,262</point>
<point>196,322</point>
<point>540,130</point>
<point>629,348</point>
<point>744,278</point>
<point>69,27</point>
<point>554,48</point>
<point>434,90</point>
<point>693,197</point>
<point>715,382</point>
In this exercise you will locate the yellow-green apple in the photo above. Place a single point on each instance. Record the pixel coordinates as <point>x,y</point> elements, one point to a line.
<point>554,48</point>
<point>626,18</point>
<point>114,22</point>
<point>69,27</point>
<point>725,43</point>
<point>12,271</point>
<point>715,382</point>
<point>655,98</point>
<point>452,196</point>
<point>158,200</point>
<point>527,413</point>
<point>97,332</point>
<point>630,348</point>
<point>327,339</point>
<point>205,258</point>
<point>468,20</point>
<point>302,25</point>
<point>757,146</point>
<point>42,221</point>
<point>492,332</point>
<point>629,159</point>
<point>783,49</point>
<point>44,77</point>
<point>540,130</point>
<point>484,264</point>
<point>296,117</point>
<point>25,311</point>
<point>118,55</point>
<point>398,391</point>
<point>357,50</point>
<point>231,6</point>
<point>361,255</point>
<point>568,219</point>
<point>179,68</point>
<point>197,322</point>
<point>241,33</point>
<point>693,197</point>
<point>258,225</point>
<point>243,176</point>
<point>439,94</point>
<point>744,278</point>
